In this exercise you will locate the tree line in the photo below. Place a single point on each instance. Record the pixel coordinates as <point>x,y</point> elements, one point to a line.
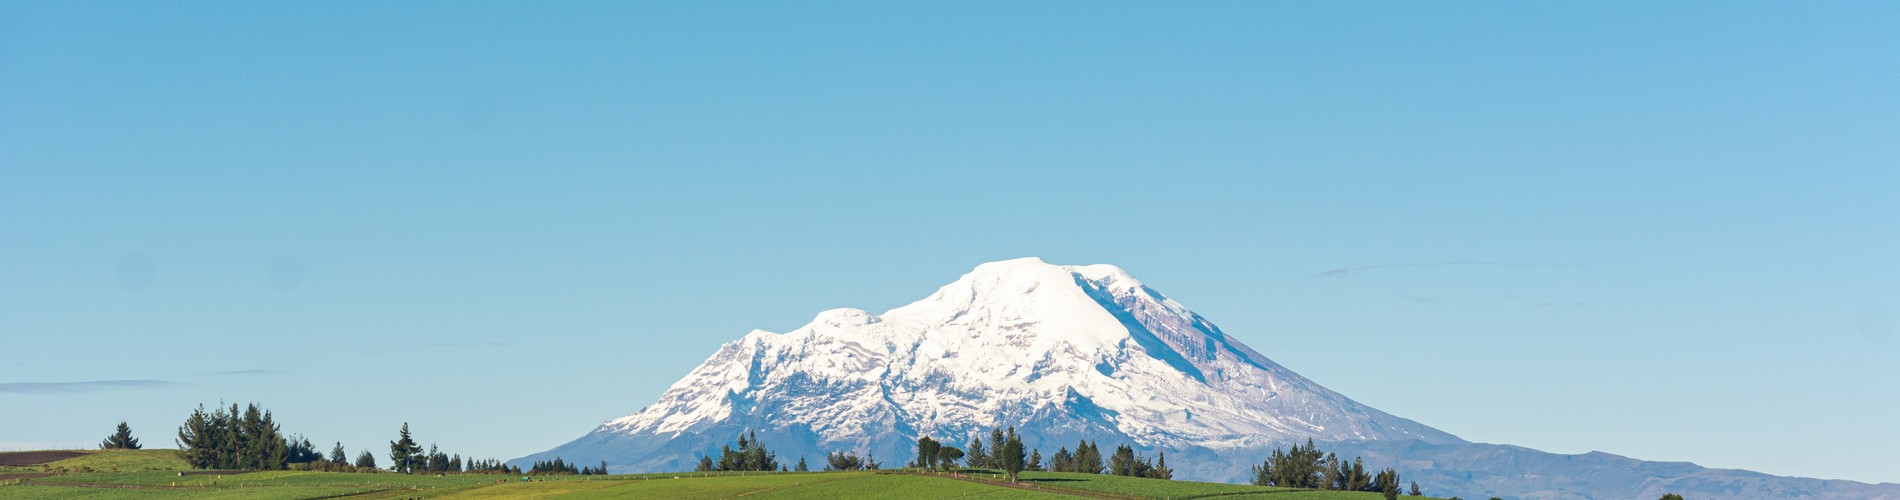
<point>750,456</point>
<point>251,439</point>
<point>1004,451</point>
<point>1307,467</point>
<point>558,467</point>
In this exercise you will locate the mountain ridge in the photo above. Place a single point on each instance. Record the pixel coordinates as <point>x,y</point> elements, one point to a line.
<point>1067,353</point>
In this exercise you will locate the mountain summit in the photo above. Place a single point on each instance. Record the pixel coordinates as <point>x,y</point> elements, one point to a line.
<point>1062,353</point>
<point>1014,343</point>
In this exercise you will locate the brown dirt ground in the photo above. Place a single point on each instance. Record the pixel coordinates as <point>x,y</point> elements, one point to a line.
<point>20,458</point>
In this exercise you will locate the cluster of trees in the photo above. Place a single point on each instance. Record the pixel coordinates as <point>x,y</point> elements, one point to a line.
<point>843,460</point>
<point>407,457</point>
<point>251,439</point>
<point>233,440</point>
<point>932,454</point>
<point>1086,459</point>
<point>750,456</point>
<point>1125,462</point>
<point>337,461</point>
<point>557,467</point>
<point>1307,467</point>
<point>121,439</point>
<point>1004,451</point>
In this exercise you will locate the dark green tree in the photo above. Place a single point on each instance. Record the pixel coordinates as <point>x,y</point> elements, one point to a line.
<point>1009,455</point>
<point>927,453</point>
<point>1671,496</point>
<point>121,439</point>
<point>1123,463</point>
<point>1161,470</point>
<point>1387,482</point>
<point>197,439</point>
<point>1300,467</point>
<point>404,454</point>
<point>948,456</point>
<point>1035,461</point>
<point>801,465</point>
<point>337,454</point>
<point>233,440</point>
<point>750,456</point>
<point>301,451</point>
<point>976,457</point>
<point>1088,458</point>
<point>995,448</point>
<point>366,460</point>
<point>840,460</point>
<point>1415,491</point>
<point>705,464</point>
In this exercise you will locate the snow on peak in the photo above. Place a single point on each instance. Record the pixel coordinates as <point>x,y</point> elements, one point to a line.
<point>1009,342</point>
<point>845,318</point>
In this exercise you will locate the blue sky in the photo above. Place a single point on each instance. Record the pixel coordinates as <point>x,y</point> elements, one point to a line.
<point>1667,231</point>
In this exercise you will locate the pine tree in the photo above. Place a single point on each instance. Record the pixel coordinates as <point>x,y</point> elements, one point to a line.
<point>705,464</point>
<point>995,448</point>
<point>231,443</point>
<point>1161,470</point>
<point>1263,474</point>
<point>366,460</point>
<point>801,465</point>
<point>1671,496</point>
<point>977,456</point>
<point>1009,456</point>
<point>121,439</point>
<point>300,450</point>
<point>1122,463</point>
<point>1415,490</point>
<point>1088,458</point>
<point>195,439</point>
<point>404,453</point>
<point>1035,460</point>
<point>338,455</point>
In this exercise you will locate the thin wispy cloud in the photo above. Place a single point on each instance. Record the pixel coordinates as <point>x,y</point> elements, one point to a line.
<point>1342,272</point>
<point>240,373</point>
<point>468,344</point>
<point>84,386</point>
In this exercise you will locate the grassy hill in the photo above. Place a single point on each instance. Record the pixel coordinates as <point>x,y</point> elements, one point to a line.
<point>157,474</point>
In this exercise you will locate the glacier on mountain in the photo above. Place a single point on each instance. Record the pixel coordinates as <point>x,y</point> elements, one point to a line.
<point>1066,353</point>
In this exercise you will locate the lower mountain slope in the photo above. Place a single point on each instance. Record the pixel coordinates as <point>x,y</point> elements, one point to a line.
<point>1066,353</point>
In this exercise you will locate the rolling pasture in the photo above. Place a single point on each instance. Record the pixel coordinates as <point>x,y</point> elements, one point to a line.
<point>162,474</point>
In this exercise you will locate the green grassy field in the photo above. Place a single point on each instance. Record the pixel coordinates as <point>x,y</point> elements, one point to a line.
<point>155,474</point>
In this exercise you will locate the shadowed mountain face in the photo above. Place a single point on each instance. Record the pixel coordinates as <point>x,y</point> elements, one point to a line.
<point>1071,352</point>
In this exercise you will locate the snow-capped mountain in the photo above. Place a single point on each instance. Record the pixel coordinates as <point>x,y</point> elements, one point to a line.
<point>1063,353</point>
<point>1009,341</point>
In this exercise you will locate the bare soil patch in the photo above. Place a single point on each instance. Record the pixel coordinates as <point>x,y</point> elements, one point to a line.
<point>20,458</point>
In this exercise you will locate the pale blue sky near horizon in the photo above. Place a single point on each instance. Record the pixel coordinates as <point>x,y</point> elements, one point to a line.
<point>1666,231</point>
